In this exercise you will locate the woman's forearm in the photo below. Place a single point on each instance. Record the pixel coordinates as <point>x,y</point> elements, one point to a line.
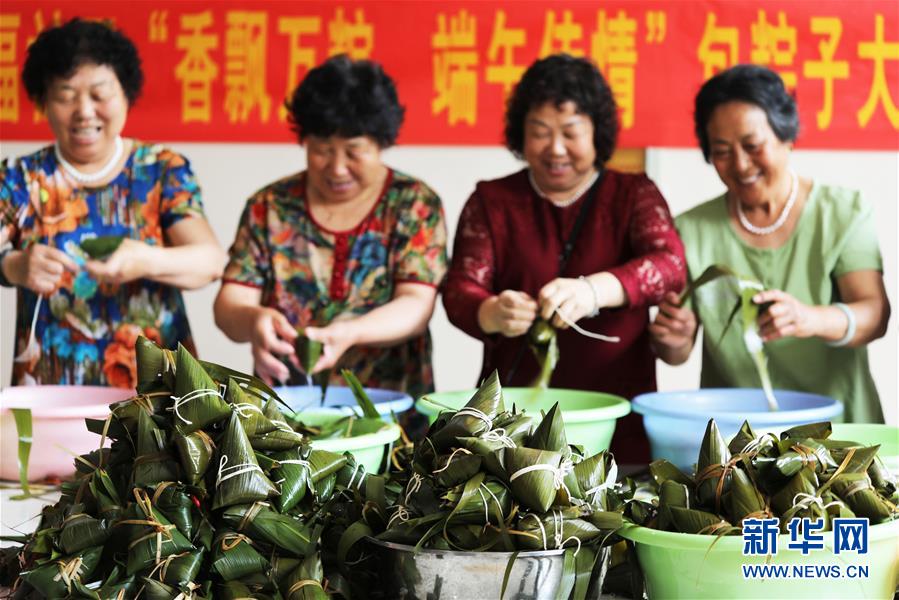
<point>234,316</point>
<point>403,318</point>
<point>871,317</point>
<point>672,356</point>
<point>189,266</point>
<point>609,291</point>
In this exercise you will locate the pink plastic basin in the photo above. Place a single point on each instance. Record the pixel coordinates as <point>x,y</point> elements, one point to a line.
<point>57,413</point>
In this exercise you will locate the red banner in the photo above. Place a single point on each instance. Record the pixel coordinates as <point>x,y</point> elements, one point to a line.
<point>219,71</point>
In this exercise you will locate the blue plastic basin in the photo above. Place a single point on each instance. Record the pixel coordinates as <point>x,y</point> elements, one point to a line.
<point>341,399</point>
<point>675,421</point>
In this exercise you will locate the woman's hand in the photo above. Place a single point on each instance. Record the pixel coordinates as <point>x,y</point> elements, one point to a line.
<point>272,335</point>
<point>127,263</point>
<point>190,258</point>
<point>574,298</point>
<point>509,313</point>
<point>39,268</point>
<point>673,331</point>
<point>786,316</point>
<point>336,339</point>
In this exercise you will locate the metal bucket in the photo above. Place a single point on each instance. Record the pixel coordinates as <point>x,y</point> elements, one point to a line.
<point>448,575</point>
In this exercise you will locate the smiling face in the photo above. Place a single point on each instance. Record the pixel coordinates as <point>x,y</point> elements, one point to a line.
<point>558,147</point>
<point>750,159</point>
<point>342,169</point>
<point>86,113</point>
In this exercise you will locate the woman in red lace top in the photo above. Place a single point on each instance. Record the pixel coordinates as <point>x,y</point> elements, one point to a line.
<point>562,120</point>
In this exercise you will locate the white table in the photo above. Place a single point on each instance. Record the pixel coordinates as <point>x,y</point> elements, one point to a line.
<point>18,517</point>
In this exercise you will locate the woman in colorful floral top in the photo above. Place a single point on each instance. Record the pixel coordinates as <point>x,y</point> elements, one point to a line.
<point>78,317</point>
<point>350,250</point>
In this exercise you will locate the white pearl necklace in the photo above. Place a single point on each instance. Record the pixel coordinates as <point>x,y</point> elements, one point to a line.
<point>91,177</point>
<point>567,201</point>
<point>791,200</point>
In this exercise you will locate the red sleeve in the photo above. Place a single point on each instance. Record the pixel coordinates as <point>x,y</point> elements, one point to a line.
<point>470,278</point>
<point>659,265</point>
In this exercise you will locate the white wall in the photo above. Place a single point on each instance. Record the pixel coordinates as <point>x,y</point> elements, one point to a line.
<point>229,173</point>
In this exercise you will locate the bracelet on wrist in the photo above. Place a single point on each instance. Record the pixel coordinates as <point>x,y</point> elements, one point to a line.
<point>850,327</point>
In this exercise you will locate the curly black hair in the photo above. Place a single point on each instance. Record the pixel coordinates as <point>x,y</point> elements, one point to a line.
<point>346,98</point>
<point>752,84</point>
<point>559,79</point>
<point>59,51</point>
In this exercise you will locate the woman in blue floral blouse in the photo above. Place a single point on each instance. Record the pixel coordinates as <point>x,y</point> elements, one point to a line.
<point>78,317</point>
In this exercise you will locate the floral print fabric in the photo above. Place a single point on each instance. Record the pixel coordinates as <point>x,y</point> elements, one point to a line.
<point>85,331</point>
<point>314,275</point>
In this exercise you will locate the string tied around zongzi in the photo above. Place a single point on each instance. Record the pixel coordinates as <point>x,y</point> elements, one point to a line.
<point>160,489</point>
<point>77,517</point>
<point>301,584</point>
<point>470,411</point>
<point>714,528</point>
<point>719,471</point>
<point>232,539</point>
<point>413,486</point>
<point>163,566</point>
<point>295,461</point>
<point>809,456</point>
<point>226,473</point>
<point>753,447</point>
<point>401,514</point>
<point>765,513</point>
<point>357,468</point>
<point>559,532</point>
<point>847,460</point>
<point>182,400</point>
<point>244,409</point>
<point>500,514</point>
<point>69,572</point>
<point>450,460</point>
<point>189,593</point>
<point>499,435</point>
<point>559,473</point>
<point>251,514</point>
<point>282,425</point>
<point>609,483</point>
<point>804,501</point>
<point>143,502</point>
<point>859,486</point>
<point>542,528</point>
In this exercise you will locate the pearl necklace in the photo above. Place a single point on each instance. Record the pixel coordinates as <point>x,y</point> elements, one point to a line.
<point>567,201</point>
<point>791,200</point>
<point>91,177</point>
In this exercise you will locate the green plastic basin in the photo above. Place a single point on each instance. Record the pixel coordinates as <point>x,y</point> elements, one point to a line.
<point>368,448</point>
<point>869,434</point>
<point>589,417</point>
<point>681,565</point>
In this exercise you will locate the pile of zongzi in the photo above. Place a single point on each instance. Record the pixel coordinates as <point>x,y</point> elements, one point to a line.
<point>486,479</point>
<point>803,473</point>
<point>207,490</point>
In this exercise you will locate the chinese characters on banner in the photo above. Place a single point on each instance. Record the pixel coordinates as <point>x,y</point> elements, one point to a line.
<point>221,72</point>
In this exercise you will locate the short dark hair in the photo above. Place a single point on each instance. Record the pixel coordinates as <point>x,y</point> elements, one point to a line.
<point>558,79</point>
<point>59,51</point>
<point>752,84</point>
<point>348,98</point>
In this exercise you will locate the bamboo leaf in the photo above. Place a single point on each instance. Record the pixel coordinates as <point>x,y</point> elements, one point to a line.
<point>365,403</point>
<point>507,573</point>
<point>22,417</point>
<point>101,247</point>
